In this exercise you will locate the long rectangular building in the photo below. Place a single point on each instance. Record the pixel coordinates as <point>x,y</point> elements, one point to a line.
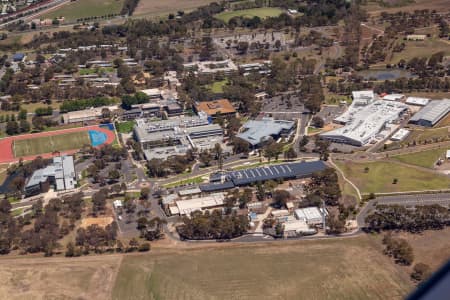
<point>228,180</point>
<point>432,113</point>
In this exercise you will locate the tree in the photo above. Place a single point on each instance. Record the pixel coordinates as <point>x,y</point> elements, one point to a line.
<point>281,197</point>
<point>290,153</point>
<point>317,122</point>
<point>420,272</point>
<point>145,192</point>
<point>24,126</point>
<point>70,250</point>
<point>395,181</point>
<point>335,224</point>
<point>12,128</point>
<point>205,158</point>
<point>114,175</point>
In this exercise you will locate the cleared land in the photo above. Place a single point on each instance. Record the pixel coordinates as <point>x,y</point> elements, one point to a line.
<point>157,7</point>
<point>374,7</point>
<point>425,159</point>
<point>263,13</point>
<point>86,8</point>
<point>380,177</point>
<point>332,269</point>
<point>421,49</point>
<point>89,277</point>
<point>48,144</point>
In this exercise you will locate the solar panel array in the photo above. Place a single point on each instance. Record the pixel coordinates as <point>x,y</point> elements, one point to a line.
<point>260,174</point>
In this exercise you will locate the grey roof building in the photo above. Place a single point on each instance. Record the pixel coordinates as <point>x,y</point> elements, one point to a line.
<point>228,180</point>
<point>60,174</point>
<point>432,113</point>
<point>256,132</point>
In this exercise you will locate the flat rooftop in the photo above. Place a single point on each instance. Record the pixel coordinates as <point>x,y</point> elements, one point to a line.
<point>364,124</point>
<point>222,106</point>
<point>257,131</point>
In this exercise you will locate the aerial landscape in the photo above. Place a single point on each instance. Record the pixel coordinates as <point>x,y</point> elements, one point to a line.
<point>235,149</point>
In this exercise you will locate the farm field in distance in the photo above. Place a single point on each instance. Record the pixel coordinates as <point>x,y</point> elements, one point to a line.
<point>86,8</point>
<point>48,144</point>
<point>327,269</point>
<point>263,12</point>
<point>380,176</point>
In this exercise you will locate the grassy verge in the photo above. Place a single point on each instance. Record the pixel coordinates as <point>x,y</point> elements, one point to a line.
<point>380,176</point>
<point>425,159</point>
<point>194,180</point>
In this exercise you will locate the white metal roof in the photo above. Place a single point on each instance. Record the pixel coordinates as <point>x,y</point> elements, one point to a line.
<point>417,101</point>
<point>433,112</point>
<point>185,207</point>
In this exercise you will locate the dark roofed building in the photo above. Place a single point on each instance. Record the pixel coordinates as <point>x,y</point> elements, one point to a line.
<point>18,57</point>
<point>228,180</point>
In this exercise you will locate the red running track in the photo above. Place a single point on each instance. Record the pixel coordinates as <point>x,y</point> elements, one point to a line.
<point>6,144</point>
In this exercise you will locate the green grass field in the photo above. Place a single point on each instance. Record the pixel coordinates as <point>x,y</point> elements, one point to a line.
<point>419,136</point>
<point>125,127</point>
<point>332,269</point>
<point>48,144</point>
<point>86,8</point>
<point>424,159</point>
<point>264,12</point>
<point>217,86</point>
<point>379,178</point>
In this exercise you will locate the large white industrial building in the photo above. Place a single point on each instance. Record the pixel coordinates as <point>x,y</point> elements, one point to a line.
<point>364,122</point>
<point>432,113</point>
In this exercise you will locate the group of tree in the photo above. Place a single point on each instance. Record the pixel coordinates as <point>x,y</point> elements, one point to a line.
<point>73,105</point>
<point>212,225</point>
<point>45,225</point>
<point>323,185</point>
<point>399,249</point>
<point>397,217</point>
<point>176,164</point>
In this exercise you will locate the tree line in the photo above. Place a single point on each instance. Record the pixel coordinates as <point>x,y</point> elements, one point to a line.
<point>212,225</point>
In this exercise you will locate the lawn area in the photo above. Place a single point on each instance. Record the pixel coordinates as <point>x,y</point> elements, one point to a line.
<point>264,12</point>
<point>48,144</point>
<point>421,49</point>
<point>90,71</point>
<point>329,269</point>
<point>313,130</point>
<point>154,8</point>
<point>217,86</point>
<point>421,135</point>
<point>379,178</point>
<point>335,99</point>
<point>86,8</point>
<point>194,180</point>
<point>125,127</point>
<point>424,159</point>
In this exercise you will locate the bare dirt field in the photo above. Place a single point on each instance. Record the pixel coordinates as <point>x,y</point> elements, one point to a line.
<point>100,221</point>
<point>38,278</point>
<point>158,7</point>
